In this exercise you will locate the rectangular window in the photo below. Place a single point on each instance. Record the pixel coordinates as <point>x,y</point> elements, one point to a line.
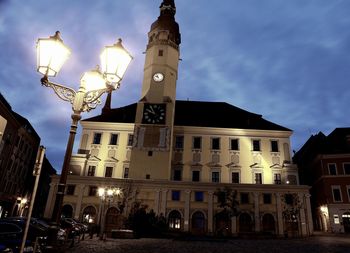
<point>336,219</point>
<point>114,139</point>
<point>234,144</point>
<point>195,176</point>
<point>126,172</point>
<point>346,167</point>
<point>91,171</point>
<point>130,139</point>
<point>175,195</point>
<point>148,176</point>
<point>97,138</point>
<point>177,175</point>
<point>215,143</point>
<point>179,142</point>
<point>197,142</point>
<point>215,177</point>
<point>235,177</point>
<point>348,188</point>
<point>256,145</point>
<point>160,52</point>
<point>109,172</point>
<point>258,178</point>
<point>274,146</point>
<point>92,191</point>
<point>267,198</point>
<point>332,169</point>
<point>277,178</point>
<point>70,189</point>
<point>198,196</point>
<point>336,194</point>
<point>244,198</point>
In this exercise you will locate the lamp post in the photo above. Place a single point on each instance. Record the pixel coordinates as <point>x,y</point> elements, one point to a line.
<point>51,55</point>
<point>106,194</point>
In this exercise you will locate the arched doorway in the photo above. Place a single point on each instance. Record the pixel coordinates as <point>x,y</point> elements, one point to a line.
<point>346,222</point>
<point>174,220</point>
<point>114,220</point>
<point>198,223</point>
<point>268,223</point>
<point>89,214</point>
<point>67,211</point>
<point>223,223</point>
<point>245,223</point>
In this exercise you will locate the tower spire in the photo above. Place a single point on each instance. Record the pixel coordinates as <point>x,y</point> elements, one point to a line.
<point>107,107</point>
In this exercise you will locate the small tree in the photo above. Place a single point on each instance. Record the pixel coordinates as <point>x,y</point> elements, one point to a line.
<point>227,200</point>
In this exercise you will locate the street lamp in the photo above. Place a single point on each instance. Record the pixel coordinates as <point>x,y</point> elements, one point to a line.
<point>51,55</point>
<point>106,194</point>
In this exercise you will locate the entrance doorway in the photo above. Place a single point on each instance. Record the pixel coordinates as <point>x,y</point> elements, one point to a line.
<point>198,223</point>
<point>346,222</point>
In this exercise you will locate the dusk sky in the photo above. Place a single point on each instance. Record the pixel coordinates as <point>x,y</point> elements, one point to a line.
<point>288,60</point>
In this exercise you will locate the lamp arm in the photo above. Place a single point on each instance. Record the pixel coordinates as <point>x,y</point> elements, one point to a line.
<point>93,98</point>
<point>63,92</point>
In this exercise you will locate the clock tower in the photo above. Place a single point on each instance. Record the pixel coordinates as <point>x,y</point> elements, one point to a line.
<point>151,151</point>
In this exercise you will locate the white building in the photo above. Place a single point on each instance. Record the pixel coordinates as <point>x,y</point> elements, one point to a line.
<point>173,156</point>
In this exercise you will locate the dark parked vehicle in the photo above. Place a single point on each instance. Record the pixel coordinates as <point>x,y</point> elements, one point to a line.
<point>11,238</point>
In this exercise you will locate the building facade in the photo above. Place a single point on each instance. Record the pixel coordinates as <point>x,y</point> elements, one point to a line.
<point>173,156</point>
<point>324,163</point>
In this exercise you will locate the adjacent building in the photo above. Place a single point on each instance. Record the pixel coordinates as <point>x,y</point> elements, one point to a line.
<point>324,163</point>
<point>172,156</point>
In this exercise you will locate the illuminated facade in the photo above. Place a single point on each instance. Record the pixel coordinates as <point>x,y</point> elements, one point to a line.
<point>173,155</point>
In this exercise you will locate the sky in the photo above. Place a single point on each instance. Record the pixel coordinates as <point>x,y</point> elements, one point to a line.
<point>286,60</point>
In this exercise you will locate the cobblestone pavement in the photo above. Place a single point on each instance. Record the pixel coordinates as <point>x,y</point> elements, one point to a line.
<point>315,244</point>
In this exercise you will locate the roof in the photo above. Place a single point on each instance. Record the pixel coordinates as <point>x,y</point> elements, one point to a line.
<point>199,114</point>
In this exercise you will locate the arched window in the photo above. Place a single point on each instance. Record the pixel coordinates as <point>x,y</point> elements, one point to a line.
<point>174,220</point>
<point>89,214</point>
<point>198,223</point>
<point>245,223</point>
<point>268,223</point>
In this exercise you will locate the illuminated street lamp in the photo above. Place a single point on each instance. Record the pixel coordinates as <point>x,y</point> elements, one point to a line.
<point>106,194</point>
<point>51,55</point>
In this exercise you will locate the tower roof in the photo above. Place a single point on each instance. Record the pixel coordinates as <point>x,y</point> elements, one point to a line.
<point>199,114</point>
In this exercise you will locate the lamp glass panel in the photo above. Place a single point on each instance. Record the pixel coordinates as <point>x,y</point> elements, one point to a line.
<point>51,55</point>
<point>93,80</point>
<point>114,62</point>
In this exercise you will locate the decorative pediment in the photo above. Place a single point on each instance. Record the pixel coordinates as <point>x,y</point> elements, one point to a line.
<point>213,164</point>
<point>233,165</point>
<point>255,166</point>
<point>94,158</point>
<point>276,166</point>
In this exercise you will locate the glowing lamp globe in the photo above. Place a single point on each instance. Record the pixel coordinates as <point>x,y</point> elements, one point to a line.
<point>93,80</point>
<point>114,62</point>
<point>51,55</point>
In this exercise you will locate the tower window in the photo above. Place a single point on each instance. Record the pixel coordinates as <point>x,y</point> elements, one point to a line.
<point>160,52</point>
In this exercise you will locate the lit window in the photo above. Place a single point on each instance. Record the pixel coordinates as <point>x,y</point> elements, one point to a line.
<point>336,219</point>
<point>97,138</point>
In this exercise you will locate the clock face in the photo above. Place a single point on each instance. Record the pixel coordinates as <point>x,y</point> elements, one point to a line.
<point>154,114</point>
<point>158,77</point>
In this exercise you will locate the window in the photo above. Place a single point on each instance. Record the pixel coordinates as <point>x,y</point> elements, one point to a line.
<point>258,178</point>
<point>215,143</point>
<point>267,198</point>
<point>235,177</point>
<point>175,195</point>
<point>130,139</point>
<point>332,169</point>
<point>274,146</point>
<point>198,196</point>
<point>150,153</point>
<point>346,167</point>
<point>148,176</point>
<point>244,198</point>
<point>126,172</point>
<point>70,189</point>
<point>97,138</point>
<point>177,174</point>
<point>336,194</point>
<point>197,142</point>
<point>348,188</point>
<point>336,219</point>
<point>215,177</point>
<point>234,145</point>
<point>109,172</point>
<point>256,145</point>
<point>195,176</point>
<point>277,178</point>
<point>179,142</point>
<point>92,191</point>
<point>114,139</point>
<point>91,171</point>
<point>160,52</point>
